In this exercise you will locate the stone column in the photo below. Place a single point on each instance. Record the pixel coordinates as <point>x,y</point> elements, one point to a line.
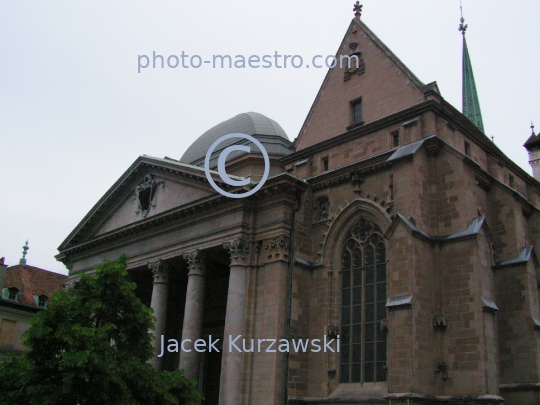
<point>231,362</point>
<point>193,314</point>
<point>160,293</point>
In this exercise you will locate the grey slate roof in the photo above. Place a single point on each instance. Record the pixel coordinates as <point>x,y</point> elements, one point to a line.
<point>523,258</point>
<point>250,123</point>
<point>533,140</point>
<point>408,150</point>
<point>473,229</point>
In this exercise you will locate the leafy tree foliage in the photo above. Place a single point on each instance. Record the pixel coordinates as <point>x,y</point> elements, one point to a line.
<point>92,346</point>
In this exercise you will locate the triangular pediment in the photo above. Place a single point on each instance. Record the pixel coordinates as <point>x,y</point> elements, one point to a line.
<point>382,82</point>
<point>150,187</point>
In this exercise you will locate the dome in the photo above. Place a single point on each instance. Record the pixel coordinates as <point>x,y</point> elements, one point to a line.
<point>250,123</point>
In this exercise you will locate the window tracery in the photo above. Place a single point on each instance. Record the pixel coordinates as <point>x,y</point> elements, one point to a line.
<point>363,306</point>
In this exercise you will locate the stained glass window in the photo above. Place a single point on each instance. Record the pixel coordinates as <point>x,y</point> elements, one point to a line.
<point>363,305</point>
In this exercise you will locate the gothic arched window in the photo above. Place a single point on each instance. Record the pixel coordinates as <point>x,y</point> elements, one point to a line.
<point>363,305</point>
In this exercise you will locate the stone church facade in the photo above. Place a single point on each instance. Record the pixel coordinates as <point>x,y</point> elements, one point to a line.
<point>391,222</point>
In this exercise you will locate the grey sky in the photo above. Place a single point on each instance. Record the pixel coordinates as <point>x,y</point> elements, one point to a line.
<point>75,114</point>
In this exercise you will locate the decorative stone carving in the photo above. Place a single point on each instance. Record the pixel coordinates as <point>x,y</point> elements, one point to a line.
<point>354,67</point>
<point>332,331</point>
<point>322,209</point>
<point>482,180</point>
<point>238,250</point>
<point>333,182</point>
<point>277,247</point>
<point>195,262</point>
<point>145,193</point>
<point>384,325</point>
<point>357,180</point>
<point>442,368</point>
<point>439,322</point>
<point>433,146</point>
<point>526,211</point>
<point>160,271</point>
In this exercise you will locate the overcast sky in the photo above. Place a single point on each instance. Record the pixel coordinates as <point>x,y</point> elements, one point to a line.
<point>75,113</point>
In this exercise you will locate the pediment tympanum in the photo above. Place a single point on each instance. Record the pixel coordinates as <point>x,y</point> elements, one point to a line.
<point>153,195</point>
<point>151,186</point>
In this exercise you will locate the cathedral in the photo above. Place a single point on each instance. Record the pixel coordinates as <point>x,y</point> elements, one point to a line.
<point>389,258</point>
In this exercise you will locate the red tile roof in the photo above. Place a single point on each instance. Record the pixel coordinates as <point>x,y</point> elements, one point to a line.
<point>30,281</point>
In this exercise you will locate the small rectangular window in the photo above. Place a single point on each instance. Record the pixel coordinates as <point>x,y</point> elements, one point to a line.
<point>324,163</point>
<point>467,148</point>
<point>511,181</point>
<point>357,112</point>
<point>12,293</point>
<point>42,301</point>
<point>395,139</point>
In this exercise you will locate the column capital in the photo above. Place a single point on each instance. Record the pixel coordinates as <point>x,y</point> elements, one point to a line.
<point>195,262</point>
<point>70,284</point>
<point>160,271</point>
<point>239,249</point>
<point>277,248</point>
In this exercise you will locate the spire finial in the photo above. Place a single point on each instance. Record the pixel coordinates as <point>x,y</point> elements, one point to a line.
<point>462,27</point>
<point>22,262</point>
<point>532,127</point>
<point>358,9</point>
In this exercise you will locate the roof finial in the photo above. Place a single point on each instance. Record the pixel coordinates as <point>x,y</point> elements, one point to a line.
<point>462,27</point>
<point>358,9</point>
<point>492,138</point>
<point>532,127</point>
<point>22,262</point>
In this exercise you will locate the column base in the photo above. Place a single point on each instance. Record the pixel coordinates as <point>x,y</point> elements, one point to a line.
<point>411,398</point>
<point>406,398</point>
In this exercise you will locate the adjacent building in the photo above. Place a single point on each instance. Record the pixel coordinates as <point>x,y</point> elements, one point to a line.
<point>392,222</point>
<point>25,291</point>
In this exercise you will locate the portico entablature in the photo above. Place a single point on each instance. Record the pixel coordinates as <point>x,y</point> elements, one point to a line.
<point>188,214</point>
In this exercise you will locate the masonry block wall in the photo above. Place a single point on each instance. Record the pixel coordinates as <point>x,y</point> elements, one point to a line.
<point>460,221</point>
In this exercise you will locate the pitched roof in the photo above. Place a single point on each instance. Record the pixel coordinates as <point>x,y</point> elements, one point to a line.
<point>385,50</point>
<point>30,281</point>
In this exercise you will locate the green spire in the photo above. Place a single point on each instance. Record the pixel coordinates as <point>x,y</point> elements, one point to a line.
<point>22,262</point>
<point>471,105</point>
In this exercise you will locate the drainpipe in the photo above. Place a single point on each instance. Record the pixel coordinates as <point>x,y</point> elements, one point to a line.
<point>289,300</point>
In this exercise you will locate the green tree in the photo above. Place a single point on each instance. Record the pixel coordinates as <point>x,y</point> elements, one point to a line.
<point>92,346</point>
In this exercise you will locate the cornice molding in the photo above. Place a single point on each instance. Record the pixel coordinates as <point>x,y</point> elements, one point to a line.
<point>346,173</point>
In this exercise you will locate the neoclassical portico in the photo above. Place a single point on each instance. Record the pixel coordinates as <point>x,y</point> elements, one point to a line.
<point>267,257</point>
